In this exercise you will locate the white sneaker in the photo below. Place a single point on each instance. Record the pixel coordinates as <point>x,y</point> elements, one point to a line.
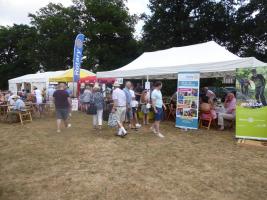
<point>58,131</point>
<point>69,125</point>
<point>153,130</point>
<point>138,125</point>
<point>160,135</point>
<point>123,131</point>
<point>119,132</point>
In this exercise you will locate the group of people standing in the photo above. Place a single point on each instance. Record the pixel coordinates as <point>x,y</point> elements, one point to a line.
<point>125,106</point>
<point>125,103</point>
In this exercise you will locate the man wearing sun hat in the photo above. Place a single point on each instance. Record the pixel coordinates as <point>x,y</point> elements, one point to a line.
<point>119,107</point>
<point>19,105</point>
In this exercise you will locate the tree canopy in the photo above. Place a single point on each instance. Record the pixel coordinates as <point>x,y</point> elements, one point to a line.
<point>49,40</point>
<point>237,24</point>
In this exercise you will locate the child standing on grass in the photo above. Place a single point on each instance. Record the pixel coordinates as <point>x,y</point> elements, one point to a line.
<point>144,100</point>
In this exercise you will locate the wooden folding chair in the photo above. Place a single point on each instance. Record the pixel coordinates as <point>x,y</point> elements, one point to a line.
<point>205,122</point>
<point>25,116</point>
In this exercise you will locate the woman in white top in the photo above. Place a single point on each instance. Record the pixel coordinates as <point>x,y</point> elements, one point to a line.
<point>38,96</point>
<point>134,105</point>
<point>39,99</point>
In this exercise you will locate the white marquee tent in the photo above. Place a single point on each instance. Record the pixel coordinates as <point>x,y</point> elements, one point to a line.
<point>210,59</point>
<point>40,80</point>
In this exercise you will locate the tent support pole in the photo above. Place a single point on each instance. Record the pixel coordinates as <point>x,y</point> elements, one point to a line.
<point>73,89</point>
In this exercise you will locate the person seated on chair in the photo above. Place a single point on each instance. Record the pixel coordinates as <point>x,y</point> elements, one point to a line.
<point>19,104</point>
<point>12,116</point>
<point>229,113</point>
<point>206,108</point>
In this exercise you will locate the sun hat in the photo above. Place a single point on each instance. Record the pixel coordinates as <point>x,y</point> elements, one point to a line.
<point>116,84</point>
<point>15,97</point>
<point>96,87</point>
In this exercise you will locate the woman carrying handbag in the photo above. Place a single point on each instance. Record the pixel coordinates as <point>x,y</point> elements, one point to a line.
<point>96,107</point>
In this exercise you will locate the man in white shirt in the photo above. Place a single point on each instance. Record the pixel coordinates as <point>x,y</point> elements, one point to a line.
<point>119,107</point>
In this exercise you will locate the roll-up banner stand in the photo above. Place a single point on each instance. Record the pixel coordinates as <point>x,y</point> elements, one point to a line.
<point>187,100</point>
<point>251,110</point>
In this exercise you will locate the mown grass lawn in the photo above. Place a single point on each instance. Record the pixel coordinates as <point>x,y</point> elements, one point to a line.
<point>39,164</point>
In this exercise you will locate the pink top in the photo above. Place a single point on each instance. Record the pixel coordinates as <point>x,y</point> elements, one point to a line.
<point>212,115</point>
<point>230,106</point>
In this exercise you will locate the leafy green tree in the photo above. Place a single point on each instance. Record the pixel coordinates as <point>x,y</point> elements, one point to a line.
<point>185,22</point>
<point>109,28</point>
<point>17,52</point>
<point>251,29</point>
<point>237,24</point>
<point>57,28</point>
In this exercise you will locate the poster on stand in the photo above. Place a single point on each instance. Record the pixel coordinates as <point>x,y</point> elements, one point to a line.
<point>119,80</point>
<point>251,110</point>
<point>75,104</point>
<point>148,88</point>
<point>187,100</point>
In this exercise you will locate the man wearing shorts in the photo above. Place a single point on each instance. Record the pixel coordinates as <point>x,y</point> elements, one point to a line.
<point>119,107</point>
<point>62,103</point>
<point>158,105</point>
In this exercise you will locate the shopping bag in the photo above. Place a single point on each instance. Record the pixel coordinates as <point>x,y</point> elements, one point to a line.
<point>112,120</point>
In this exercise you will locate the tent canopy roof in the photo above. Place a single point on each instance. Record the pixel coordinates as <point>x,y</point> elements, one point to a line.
<point>67,76</point>
<point>38,77</point>
<point>208,58</point>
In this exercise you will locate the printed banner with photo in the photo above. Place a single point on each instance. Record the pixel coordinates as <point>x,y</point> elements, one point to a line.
<point>187,100</point>
<point>251,112</point>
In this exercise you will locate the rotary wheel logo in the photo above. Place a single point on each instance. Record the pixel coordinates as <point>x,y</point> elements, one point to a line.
<point>79,43</point>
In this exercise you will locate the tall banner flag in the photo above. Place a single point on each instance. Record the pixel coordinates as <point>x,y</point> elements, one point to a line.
<point>251,110</point>
<point>77,57</point>
<point>187,100</point>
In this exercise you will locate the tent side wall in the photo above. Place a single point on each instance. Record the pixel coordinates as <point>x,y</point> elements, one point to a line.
<point>12,87</point>
<point>40,80</point>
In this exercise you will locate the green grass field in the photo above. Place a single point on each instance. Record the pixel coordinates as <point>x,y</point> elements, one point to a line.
<point>251,122</point>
